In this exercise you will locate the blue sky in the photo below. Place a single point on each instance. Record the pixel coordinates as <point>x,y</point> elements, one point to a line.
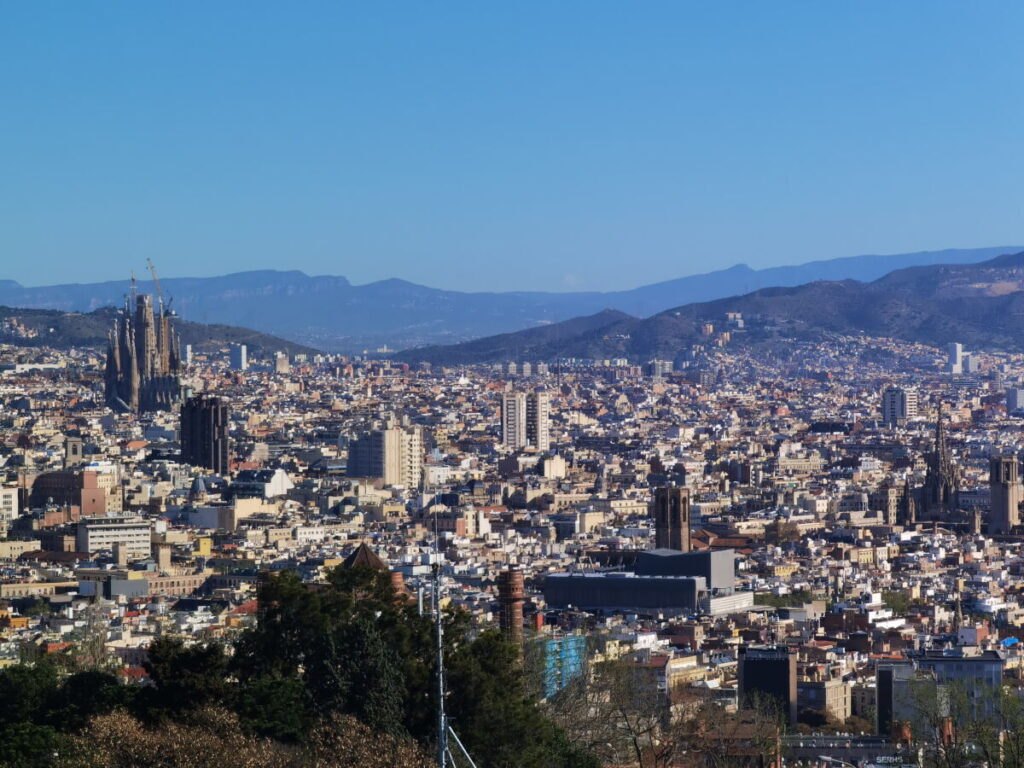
<point>589,145</point>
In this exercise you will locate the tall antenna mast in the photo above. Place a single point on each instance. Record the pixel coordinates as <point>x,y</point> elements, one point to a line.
<point>442,720</point>
<point>445,758</point>
<point>156,283</point>
<point>133,290</point>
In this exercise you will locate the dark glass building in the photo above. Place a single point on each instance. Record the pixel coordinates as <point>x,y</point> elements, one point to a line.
<point>204,433</point>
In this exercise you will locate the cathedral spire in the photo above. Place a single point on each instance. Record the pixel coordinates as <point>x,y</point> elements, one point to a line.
<point>143,360</point>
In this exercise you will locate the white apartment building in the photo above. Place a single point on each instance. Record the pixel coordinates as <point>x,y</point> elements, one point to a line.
<point>525,420</point>
<point>899,405</point>
<point>134,536</point>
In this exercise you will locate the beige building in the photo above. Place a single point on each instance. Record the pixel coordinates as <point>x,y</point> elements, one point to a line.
<point>394,454</point>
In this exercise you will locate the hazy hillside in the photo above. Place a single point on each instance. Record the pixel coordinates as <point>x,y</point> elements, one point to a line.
<point>74,329</point>
<point>981,305</point>
<point>330,313</point>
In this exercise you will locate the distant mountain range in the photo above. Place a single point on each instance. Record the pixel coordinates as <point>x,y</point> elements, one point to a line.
<point>330,313</point>
<point>979,304</point>
<point>74,329</point>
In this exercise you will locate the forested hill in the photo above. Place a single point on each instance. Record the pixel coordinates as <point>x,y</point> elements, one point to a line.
<point>75,329</point>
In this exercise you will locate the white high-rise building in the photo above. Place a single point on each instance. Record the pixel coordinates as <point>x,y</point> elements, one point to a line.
<point>525,420</point>
<point>513,419</point>
<point>239,357</point>
<point>899,405</point>
<point>538,417</point>
<point>955,358</point>
<point>282,363</point>
<point>1014,400</point>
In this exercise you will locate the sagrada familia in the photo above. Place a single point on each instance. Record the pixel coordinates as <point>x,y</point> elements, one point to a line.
<point>143,359</point>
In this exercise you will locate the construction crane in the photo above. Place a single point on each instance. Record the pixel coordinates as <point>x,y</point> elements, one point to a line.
<point>156,283</point>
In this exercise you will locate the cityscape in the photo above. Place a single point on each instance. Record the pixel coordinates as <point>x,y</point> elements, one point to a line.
<point>826,527</point>
<point>509,395</point>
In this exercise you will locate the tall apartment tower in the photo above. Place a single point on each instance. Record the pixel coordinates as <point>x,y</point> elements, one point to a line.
<point>768,671</point>
<point>511,595</point>
<point>672,518</point>
<point>538,416</point>
<point>513,419</point>
<point>955,358</point>
<point>1006,491</point>
<point>899,405</point>
<point>239,357</point>
<point>204,433</point>
<point>393,454</point>
<point>282,363</point>
<point>1014,400</point>
<point>525,420</point>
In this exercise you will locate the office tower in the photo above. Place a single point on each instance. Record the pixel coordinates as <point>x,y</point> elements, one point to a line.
<point>281,363</point>
<point>971,363</point>
<point>1014,399</point>
<point>511,596</point>
<point>899,405</point>
<point>1006,493</point>
<point>768,671</point>
<point>239,357</point>
<point>394,454</point>
<point>204,433</point>
<point>188,354</point>
<point>954,358</point>
<point>525,420</point>
<point>142,359</point>
<point>672,518</point>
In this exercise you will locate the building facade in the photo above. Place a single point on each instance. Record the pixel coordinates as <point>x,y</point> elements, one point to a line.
<point>1006,493</point>
<point>899,405</point>
<point>525,420</point>
<point>394,454</point>
<point>204,433</point>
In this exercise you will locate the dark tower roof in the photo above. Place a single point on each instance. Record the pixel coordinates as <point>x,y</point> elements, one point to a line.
<point>366,557</point>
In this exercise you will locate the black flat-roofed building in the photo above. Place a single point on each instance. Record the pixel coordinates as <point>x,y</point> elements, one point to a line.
<point>204,433</point>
